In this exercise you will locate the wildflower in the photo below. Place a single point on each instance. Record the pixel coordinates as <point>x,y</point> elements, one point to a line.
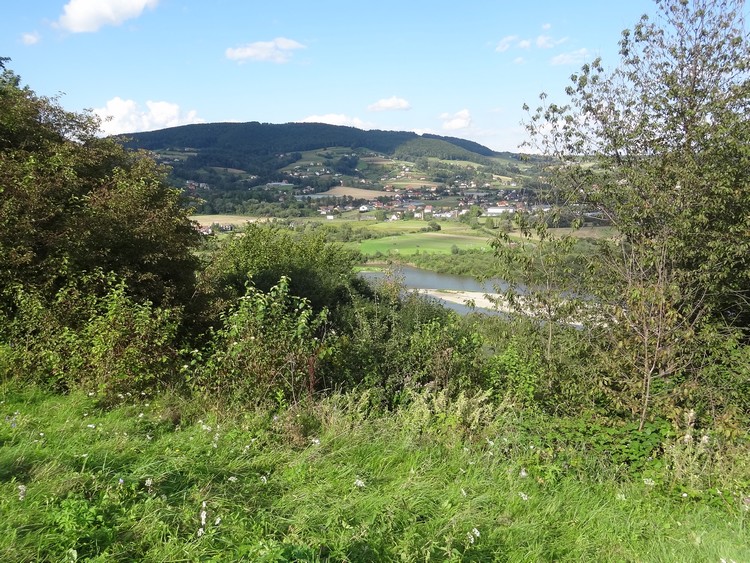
<point>140,415</point>
<point>263,479</point>
<point>21,492</point>
<point>648,482</point>
<point>315,441</point>
<point>704,439</point>
<point>232,479</point>
<point>201,531</point>
<point>121,481</point>
<point>359,483</point>
<point>91,393</point>
<point>149,437</point>
<point>91,426</point>
<point>150,484</point>
<point>490,443</point>
<point>523,496</point>
<point>475,532</point>
<point>620,496</point>
<point>470,537</point>
<point>203,515</point>
<point>217,521</point>
<point>463,493</point>
<point>684,495</point>
<point>41,434</point>
<point>523,473</point>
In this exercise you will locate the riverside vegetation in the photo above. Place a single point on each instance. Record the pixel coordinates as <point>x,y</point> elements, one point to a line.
<point>163,399</point>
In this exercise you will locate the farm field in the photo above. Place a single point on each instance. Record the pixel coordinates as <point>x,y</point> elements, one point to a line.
<point>413,243</point>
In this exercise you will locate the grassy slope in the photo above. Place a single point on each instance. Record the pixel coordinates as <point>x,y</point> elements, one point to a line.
<point>329,482</point>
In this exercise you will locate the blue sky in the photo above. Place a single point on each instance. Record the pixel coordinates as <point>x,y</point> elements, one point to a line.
<point>461,69</point>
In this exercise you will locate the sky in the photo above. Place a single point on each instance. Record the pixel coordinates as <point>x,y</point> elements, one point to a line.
<point>455,68</point>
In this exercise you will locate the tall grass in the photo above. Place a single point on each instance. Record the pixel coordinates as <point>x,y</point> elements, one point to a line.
<point>166,479</point>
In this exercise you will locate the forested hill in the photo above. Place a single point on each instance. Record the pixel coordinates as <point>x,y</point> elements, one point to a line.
<point>267,138</point>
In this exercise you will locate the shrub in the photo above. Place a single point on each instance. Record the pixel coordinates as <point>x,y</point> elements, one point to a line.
<point>267,349</point>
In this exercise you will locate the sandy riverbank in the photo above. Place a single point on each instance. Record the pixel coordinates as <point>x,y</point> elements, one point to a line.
<point>478,298</point>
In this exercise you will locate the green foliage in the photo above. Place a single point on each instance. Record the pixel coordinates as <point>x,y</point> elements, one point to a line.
<point>667,135</point>
<point>317,270</point>
<point>394,345</point>
<point>73,202</point>
<point>511,376</point>
<point>112,343</point>
<point>268,349</point>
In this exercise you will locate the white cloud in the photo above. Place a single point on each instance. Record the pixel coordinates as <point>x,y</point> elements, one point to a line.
<point>80,16</point>
<point>278,50</point>
<point>126,116</point>
<point>392,103</point>
<point>337,119</point>
<point>505,43</point>
<point>459,120</point>
<point>30,38</point>
<point>547,42</point>
<point>573,57</point>
<point>546,25</point>
<point>519,60</point>
<point>524,44</point>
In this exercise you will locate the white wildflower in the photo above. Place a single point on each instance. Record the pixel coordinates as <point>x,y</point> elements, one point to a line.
<point>203,514</point>
<point>523,473</point>
<point>232,479</point>
<point>263,479</point>
<point>21,492</point>
<point>201,531</point>
<point>315,441</point>
<point>217,521</point>
<point>620,496</point>
<point>470,537</point>
<point>523,496</point>
<point>91,426</point>
<point>359,483</point>
<point>649,482</point>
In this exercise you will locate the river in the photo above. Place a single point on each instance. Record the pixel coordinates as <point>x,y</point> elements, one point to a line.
<point>434,282</point>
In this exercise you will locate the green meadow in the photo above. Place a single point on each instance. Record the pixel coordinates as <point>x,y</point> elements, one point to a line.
<point>162,478</point>
<point>413,243</point>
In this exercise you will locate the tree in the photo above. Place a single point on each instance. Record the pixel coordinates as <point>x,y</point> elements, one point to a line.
<point>660,146</point>
<point>73,202</point>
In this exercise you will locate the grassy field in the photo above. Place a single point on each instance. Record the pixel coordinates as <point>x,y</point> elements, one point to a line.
<point>408,244</point>
<point>161,479</point>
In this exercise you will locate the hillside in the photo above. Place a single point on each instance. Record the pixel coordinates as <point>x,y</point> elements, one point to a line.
<point>267,138</point>
<point>257,168</point>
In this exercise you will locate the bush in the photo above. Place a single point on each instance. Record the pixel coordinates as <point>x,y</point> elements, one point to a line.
<point>267,349</point>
